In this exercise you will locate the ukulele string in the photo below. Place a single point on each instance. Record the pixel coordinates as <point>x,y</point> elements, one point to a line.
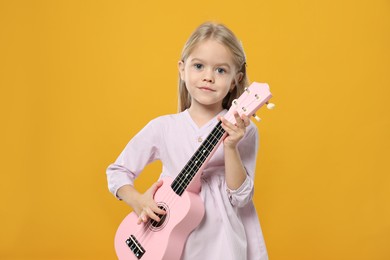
<point>183,180</point>
<point>242,100</point>
<point>171,197</point>
<point>143,234</point>
<point>207,146</point>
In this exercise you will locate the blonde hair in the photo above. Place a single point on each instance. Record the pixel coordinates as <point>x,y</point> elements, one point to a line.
<point>226,37</point>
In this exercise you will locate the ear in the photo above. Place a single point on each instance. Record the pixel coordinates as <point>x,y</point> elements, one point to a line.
<point>237,78</point>
<point>180,66</point>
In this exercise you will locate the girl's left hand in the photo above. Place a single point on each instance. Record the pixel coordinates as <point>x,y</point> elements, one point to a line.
<point>235,131</point>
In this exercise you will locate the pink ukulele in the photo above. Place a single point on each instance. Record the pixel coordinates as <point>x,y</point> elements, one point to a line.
<point>180,197</point>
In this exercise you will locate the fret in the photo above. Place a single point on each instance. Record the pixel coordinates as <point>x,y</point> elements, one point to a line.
<point>195,163</point>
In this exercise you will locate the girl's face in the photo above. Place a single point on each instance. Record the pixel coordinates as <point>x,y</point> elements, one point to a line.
<point>209,74</point>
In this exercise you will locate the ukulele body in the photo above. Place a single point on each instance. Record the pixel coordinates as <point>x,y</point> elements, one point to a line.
<point>165,239</point>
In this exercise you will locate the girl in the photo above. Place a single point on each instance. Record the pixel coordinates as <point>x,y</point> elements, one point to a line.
<point>212,73</point>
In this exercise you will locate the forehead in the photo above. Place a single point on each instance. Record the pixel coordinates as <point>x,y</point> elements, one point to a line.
<point>211,51</point>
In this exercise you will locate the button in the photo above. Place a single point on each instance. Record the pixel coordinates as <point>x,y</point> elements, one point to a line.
<point>200,139</point>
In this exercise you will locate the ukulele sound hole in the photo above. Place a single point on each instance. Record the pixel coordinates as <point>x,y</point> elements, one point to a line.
<point>158,225</point>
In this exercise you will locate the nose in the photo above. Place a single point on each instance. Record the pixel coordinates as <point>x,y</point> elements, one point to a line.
<point>208,76</point>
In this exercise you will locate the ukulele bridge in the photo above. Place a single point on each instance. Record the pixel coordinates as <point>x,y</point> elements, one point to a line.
<point>135,247</point>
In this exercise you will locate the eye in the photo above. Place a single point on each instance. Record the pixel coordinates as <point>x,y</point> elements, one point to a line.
<point>221,70</point>
<point>198,66</point>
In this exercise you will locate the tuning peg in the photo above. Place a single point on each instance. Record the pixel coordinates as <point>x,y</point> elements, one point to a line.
<point>257,118</point>
<point>270,106</point>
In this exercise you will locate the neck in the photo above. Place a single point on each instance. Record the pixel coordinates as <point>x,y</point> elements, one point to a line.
<point>203,114</point>
<point>189,177</point>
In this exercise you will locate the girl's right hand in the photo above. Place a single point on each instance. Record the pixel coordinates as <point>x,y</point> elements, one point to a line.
<point>145,206</point>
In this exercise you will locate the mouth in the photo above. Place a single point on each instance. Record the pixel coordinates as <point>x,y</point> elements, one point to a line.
<point>205,88</point>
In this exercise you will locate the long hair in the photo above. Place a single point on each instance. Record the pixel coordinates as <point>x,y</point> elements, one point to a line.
<point>226,37</point>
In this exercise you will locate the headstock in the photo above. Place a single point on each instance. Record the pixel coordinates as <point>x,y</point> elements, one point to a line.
<point>254,97</point>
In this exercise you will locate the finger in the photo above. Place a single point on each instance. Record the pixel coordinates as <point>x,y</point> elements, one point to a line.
<point>227,129</point>
<point>158,210</point>
<point>246,120</point>
<point>227,124</point>
<point>239,121</point>
<point>141,218</point>
<point>159,183</point>
<point>152,190</point>
<point>156,186</point>
<point>230,128</point>
<point>152,215</point>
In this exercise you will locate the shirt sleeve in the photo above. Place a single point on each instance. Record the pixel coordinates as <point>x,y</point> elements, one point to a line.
<point>248,152</point>
<point>142,149</point>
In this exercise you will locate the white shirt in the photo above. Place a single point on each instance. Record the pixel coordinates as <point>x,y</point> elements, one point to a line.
<point>230,228</point>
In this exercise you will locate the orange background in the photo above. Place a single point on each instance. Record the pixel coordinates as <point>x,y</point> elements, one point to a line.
<point>79,78</point>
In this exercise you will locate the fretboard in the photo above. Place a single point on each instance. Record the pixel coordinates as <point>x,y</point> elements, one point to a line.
<point>189,171</point>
